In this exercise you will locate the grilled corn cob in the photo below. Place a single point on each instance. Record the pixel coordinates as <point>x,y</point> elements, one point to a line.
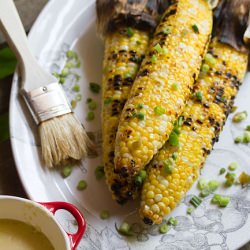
<point>173,170</point>
<point>160,90</point>
<point>124,50</point>
<point>122,58</point>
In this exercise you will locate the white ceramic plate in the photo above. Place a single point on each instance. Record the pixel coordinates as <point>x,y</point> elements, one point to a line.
<point>71,25</point>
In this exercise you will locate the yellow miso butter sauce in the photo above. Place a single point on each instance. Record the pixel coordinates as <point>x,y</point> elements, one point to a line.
<point>16,235</point>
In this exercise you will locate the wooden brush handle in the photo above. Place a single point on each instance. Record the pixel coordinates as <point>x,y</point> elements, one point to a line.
<point>33,76</point>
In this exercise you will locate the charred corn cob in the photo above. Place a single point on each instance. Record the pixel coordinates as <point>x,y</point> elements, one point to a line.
<point>124,50</point>
<point>174,169</point>
<point>122,57</point>
<point>160,90</point>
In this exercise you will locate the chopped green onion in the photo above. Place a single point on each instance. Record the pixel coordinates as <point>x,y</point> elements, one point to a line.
<point>94,87</point>
<point>224,201</point>
<point>213,185</point>
<point>56,75</point>
<point>216,199</point>
<point>62,80</point>
<point>198,95</point>
<point>230,175</point>
<point>246,137</point>
<point>179,122</point>
<point>205,192</point>
<point>128,75</point>
<point>69,65</point>
<point>104,214</point>
<point>175,86</point>
<point>172,221</point>
<point>167,30</point>
<point>140,106</point>
<point>138,180</point>
<point>209,59</point>
<point>233,166</point>
<point>77,77</point>
<point>195,28</point>
<point>77,65</point>
<point>64,73</point>
<point>174,155</point>
<point>82,184</point>
<point>159,110</point>
<point>164,51</point>
<point>108,100</point>
<point>153,58</point>
<point>66,171</point>
<point>222,171</point>
<point>195,201</point>
<point>139,60</point>
<point>230,178</point>
<point>247,128</point>
<point>207,187</point>
<point>140,116</point>
<point>202,184</point>
<point>158,48</point>
<point>190,210</point>
<point>177,131</point>
<point>90,116</point>
<point>129,32</point>
<point>173,139</point>
<point>240,116</point>
<point>233,109</point>
<point>205,68</point>
<point>76,88</point>
<point>71,54</point>
<point>92,105</point>
<point>228,183</point>
<point>125,229</point>
<point>168,166</point>
<point>143,174</point>
<point>99,172</point>
<point>164,228</point>
<point>238,139</point>
<point>138,42</point>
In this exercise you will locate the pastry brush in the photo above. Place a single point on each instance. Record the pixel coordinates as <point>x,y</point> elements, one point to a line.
<point>63,138</point>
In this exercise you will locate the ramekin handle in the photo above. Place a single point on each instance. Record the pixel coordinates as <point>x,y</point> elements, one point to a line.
<point>74,238</point>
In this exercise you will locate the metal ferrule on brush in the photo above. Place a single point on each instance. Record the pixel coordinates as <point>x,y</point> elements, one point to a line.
<point>47,102</point>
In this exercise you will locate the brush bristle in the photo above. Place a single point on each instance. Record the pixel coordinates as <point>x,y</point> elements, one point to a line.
<point>63,141</point>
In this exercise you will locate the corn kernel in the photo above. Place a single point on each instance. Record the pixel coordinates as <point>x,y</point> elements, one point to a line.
<point>150,195</point>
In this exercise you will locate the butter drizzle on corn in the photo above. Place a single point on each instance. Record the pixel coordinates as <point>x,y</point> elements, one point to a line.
<point>203,121</point>
<point>162,87</point>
